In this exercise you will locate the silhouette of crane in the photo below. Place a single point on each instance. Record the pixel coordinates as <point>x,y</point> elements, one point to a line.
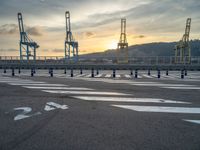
<point>122,47</point>
<point>27,45</point>
<point>71,46</point>
<point>182,49</point>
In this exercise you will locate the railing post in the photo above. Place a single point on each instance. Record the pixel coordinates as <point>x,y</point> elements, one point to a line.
<point>97,72</point>
<point>131,72</point>
<point>32,72</point>
<point>185,72</point>
<point>65,71</point>
<point>51,72</point>
<point>92,73</point>
<point>114,73</point>
<point>182,74</point>
<point>72,72</point>
<point>158,73</point>
<point>167,72</point>
<point>149,72</point>
<point>136,73</point>
<point>81,71</point>
<point>13,72</point>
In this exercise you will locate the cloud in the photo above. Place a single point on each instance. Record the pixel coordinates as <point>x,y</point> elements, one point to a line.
<point>45,50</point>
<point>35,31</point>
<point>84,35</point>
<point>89,34</point>
<point>9,50</point>
<point>158,20</point>
<point>83,51</point>
<point>58,50</point>
<point>97,20</point>
<point>152,16</point>
<point>138,36</point>
<point>10,29</point>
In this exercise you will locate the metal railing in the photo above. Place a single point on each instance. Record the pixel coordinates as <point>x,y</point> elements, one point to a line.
<point>153,60</point>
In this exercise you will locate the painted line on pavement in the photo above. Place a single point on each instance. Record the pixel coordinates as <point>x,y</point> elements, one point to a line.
<point>147,76</point>
<point>35,84</point>
<point>183,88</point>
<point>57,88</point>
<point>108,76</point>
<point>118,75</point>
<point>162,84</point>
<point>21,82</point>
<point>129,99</point>
<point>192,121</point>
<point>127,76</point>
<point>158,109</point>
<point>88,76</point>
<point>81,75</point>
<point>84,92</point>
<point>99,75</point>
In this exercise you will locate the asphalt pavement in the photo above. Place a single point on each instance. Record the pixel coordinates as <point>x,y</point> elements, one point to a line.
<point>100,113</point>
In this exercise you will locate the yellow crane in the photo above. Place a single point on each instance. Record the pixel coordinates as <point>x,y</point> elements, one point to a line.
<point>182,48</point>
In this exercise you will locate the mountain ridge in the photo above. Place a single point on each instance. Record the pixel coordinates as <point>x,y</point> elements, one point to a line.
<point>150,49</point>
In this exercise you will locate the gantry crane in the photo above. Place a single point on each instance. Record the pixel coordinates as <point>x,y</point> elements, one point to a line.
<point>122,47</point>
<point>27,45</point>
<point>182,49</point>
<point>71,46</point>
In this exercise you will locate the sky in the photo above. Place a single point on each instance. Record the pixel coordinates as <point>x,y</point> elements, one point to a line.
<point>95,23</point>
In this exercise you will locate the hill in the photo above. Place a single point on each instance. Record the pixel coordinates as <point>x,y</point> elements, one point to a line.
<point>150,49</point>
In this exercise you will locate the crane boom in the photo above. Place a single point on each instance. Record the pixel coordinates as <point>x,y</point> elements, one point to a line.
<point>182,48</point>
<point>27,45</point>
<point>20,21</point>
<point>70,43</point>
<point>122,47</point>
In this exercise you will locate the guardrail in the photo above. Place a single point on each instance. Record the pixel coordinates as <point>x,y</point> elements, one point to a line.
<point>153,60</point>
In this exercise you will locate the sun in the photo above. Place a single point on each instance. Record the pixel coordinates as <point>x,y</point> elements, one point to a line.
<point>112,44</point>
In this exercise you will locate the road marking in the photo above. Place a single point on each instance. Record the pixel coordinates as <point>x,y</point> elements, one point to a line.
<point>108,76</point>
<point>57,88</point>
<point>169,77</point>
<point>88,76</point>
<point>58,75</point>
<point>127,76</point>
<point>193,121</point>
<point>147,76</point>
<point>84,92</point>
<point>81,75</point>
<point>183,88</point>
<point>138,82</point>
<point>162,84</point>
<point>25,113</point>
<point>186,110</point>
<point>99,75</point>
<point>27,84</point>
<point>125,99</point>
<point>21,82</point>
<point>118,75</point>
<point>52,106</point>
<point>13,79</point>
<point>154,76</point>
